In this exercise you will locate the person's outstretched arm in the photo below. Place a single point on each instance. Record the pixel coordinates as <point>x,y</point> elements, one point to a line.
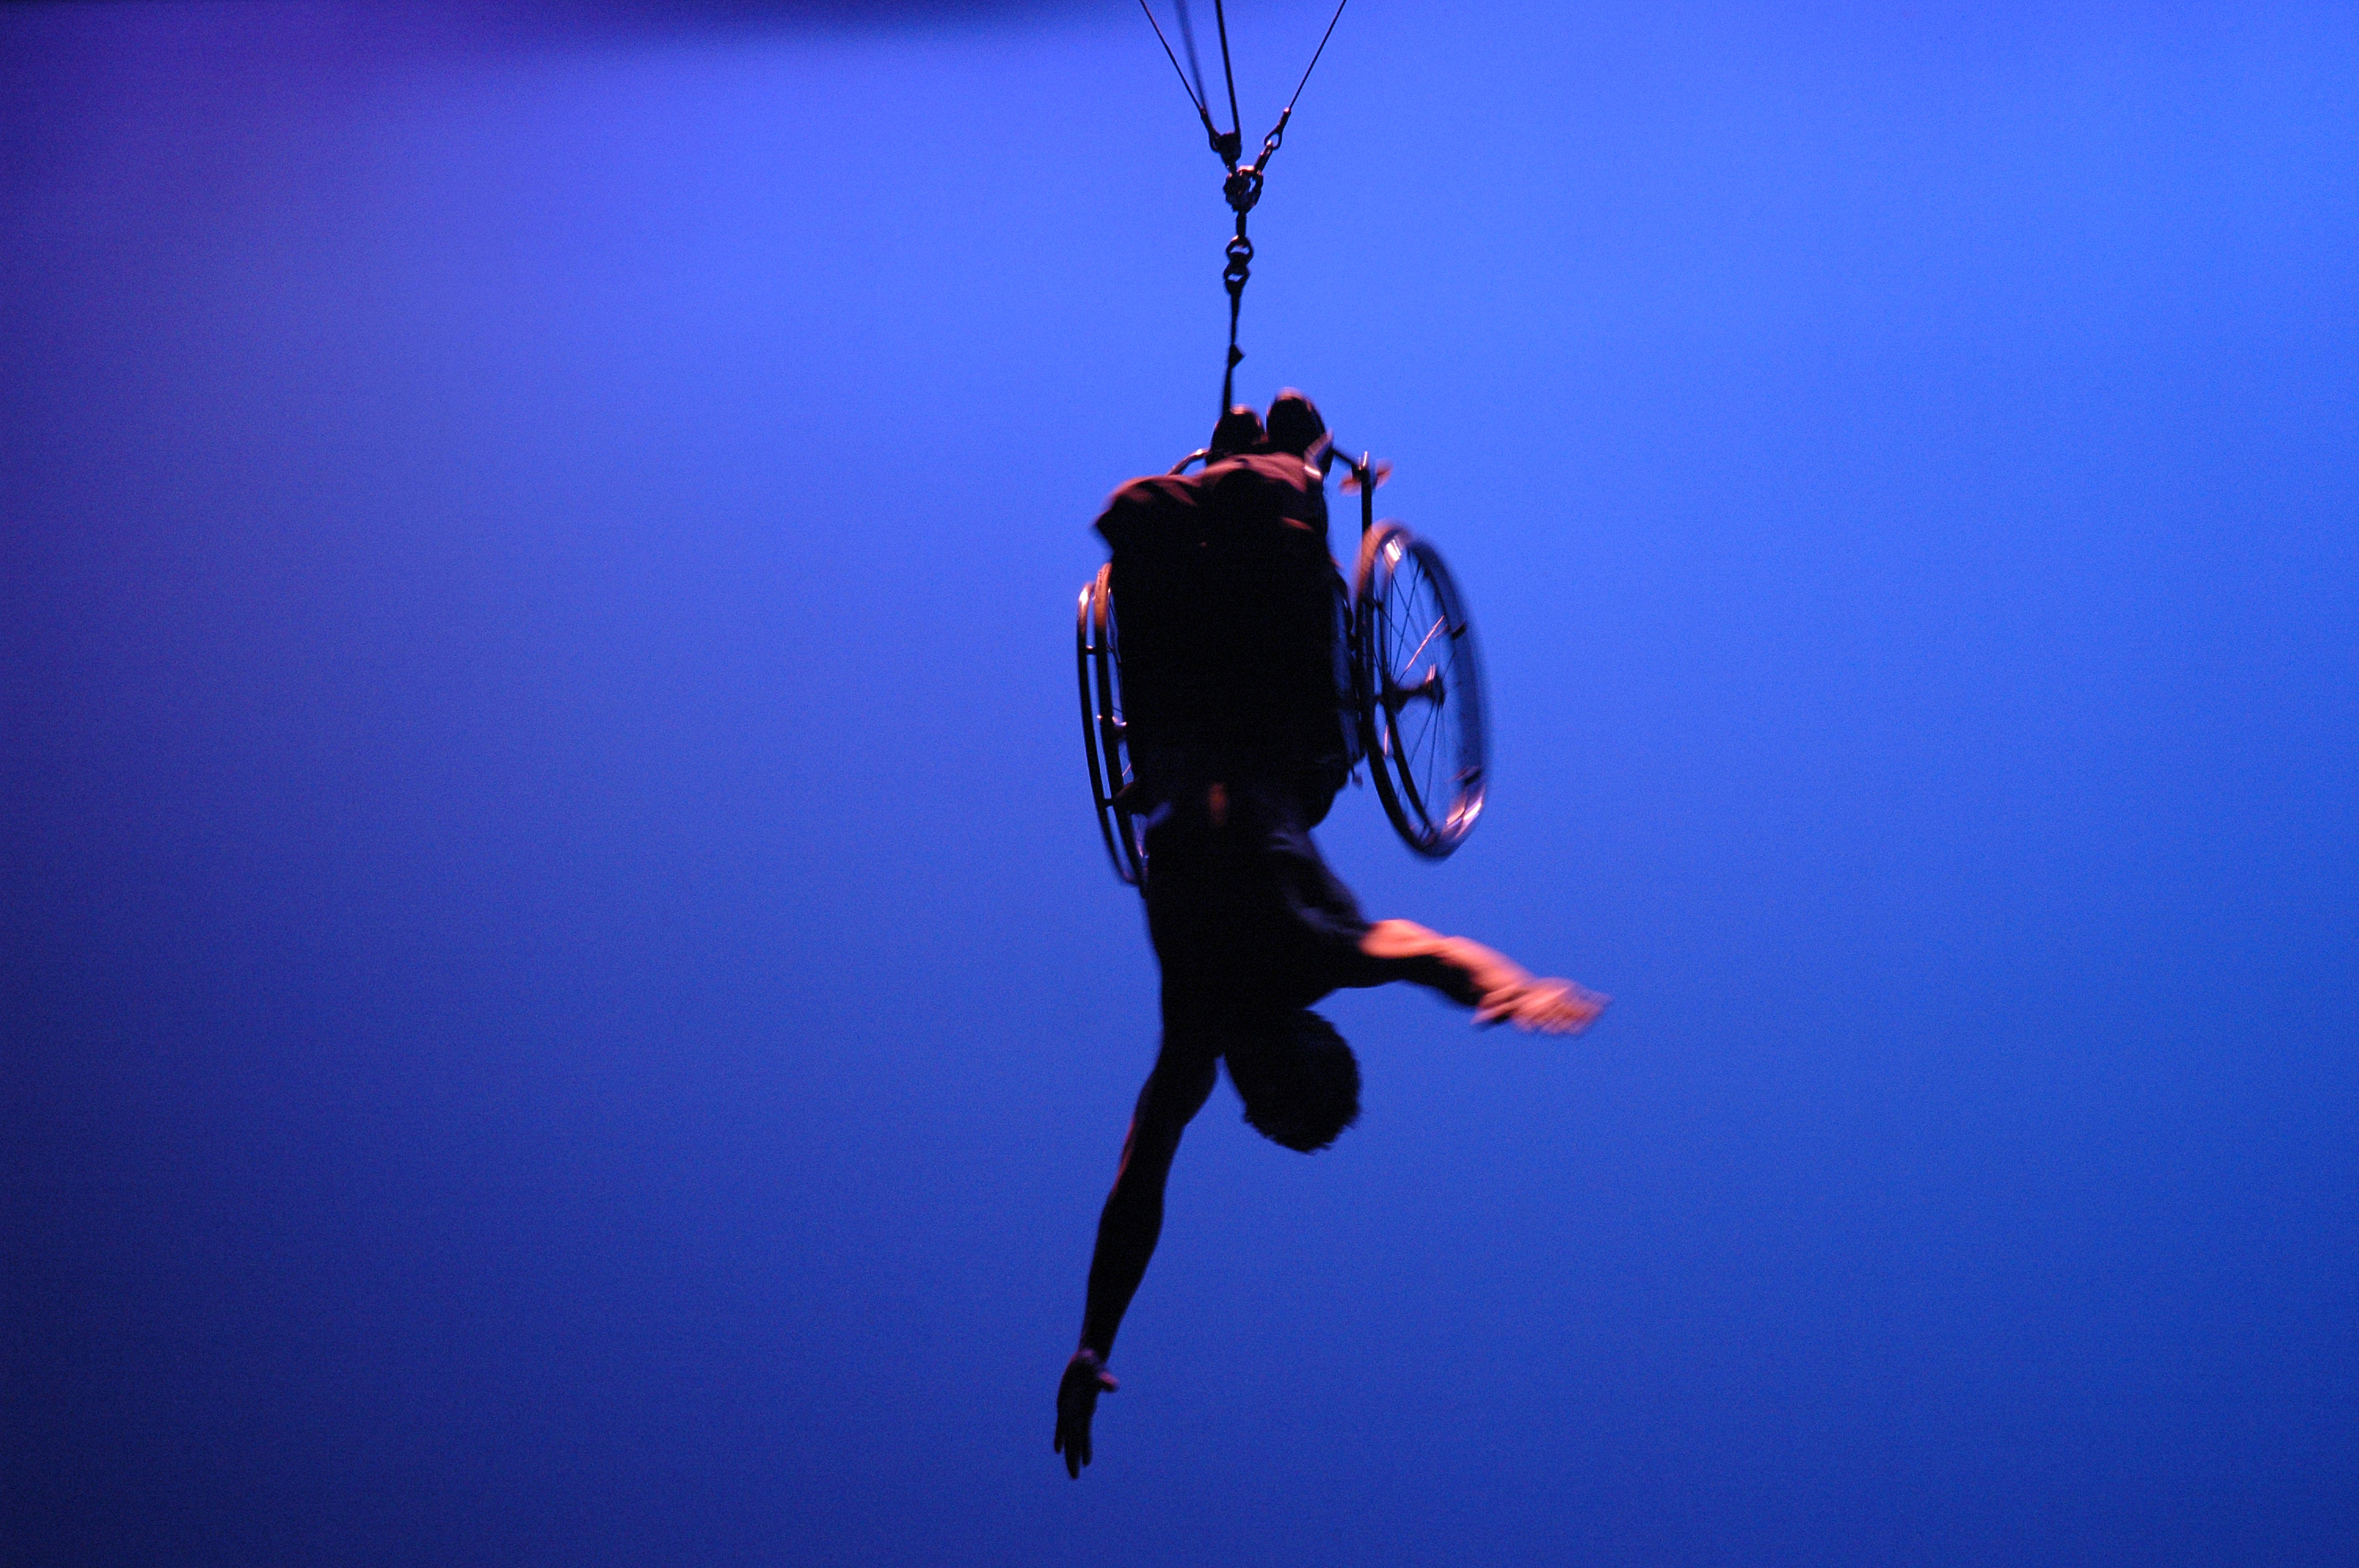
<point>1499,989</point>
<point>1127,1230</point>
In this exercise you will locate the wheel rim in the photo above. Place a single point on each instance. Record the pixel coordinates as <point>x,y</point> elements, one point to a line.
<point>1104,739</point>
<point>1421,693</point>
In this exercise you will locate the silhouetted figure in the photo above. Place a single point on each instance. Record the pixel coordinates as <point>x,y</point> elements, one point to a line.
<point>1231,634</point>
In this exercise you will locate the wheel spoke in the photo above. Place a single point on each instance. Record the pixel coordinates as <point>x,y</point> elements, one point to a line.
<point>1428,638</point>
<point>1411,607</point>
<point>1428,751</point>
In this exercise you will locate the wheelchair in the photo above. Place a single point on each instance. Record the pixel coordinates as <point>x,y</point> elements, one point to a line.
<point>1415,697</point>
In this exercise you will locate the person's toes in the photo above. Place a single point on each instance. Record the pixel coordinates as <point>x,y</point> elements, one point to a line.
<point>1551,1007</point>
<point>1555,1006</point>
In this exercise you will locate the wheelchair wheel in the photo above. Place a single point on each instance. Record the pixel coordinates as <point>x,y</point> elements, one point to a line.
<point>1094,639</point>
<point>1420,690</point>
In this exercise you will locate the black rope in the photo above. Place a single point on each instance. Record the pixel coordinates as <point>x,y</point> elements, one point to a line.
<point>1243,186</point>
<point>1195,66</point>
<point>1276,137</point>
<point>1308,70</point>
<point>1194,99</point>
<point>1236,122</point>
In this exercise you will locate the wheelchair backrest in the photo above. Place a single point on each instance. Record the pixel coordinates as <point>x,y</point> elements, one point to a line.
<point>1228,611</point>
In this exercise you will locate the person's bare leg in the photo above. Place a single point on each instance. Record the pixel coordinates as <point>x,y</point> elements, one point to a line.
<point>1499,989</point>
<point>1128,1229</point>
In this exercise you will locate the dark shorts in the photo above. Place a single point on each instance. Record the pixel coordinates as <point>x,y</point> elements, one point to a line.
<point>1244,914</point>
<point>1251,929</point>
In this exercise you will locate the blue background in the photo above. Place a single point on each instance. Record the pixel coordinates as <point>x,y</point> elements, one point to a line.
<point>563,1004</point>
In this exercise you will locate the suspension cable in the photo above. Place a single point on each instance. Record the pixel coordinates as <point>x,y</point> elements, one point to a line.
<point>1194,97</point>
<point>1237,123</point>
<point>1289,111</point>
<point>1195,62</point>
<point>1244,185</point>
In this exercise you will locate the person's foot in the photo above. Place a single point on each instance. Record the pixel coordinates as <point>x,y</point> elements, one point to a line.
<point>1077,1405</point>
<point>1499,989</point>
<point>1549,1006</point>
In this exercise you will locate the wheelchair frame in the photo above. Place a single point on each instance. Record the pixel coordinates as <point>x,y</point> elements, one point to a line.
<point>1432,821</point>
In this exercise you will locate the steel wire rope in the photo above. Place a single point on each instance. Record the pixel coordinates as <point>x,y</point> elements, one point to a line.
<point>1244,185</point>
<point>1195,65</point>
<point>1196,92</point>
<point>1228,73</point>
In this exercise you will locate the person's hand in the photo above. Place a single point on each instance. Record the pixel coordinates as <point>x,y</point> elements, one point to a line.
<point>1077,1403</point>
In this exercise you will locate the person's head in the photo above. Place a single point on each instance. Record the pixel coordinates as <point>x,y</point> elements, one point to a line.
<point>1239,431</point>
<point>1295,426</point>
<point>1298,1079</point>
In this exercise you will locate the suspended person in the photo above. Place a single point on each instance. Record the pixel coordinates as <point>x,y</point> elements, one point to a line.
<point>1231,661</point>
